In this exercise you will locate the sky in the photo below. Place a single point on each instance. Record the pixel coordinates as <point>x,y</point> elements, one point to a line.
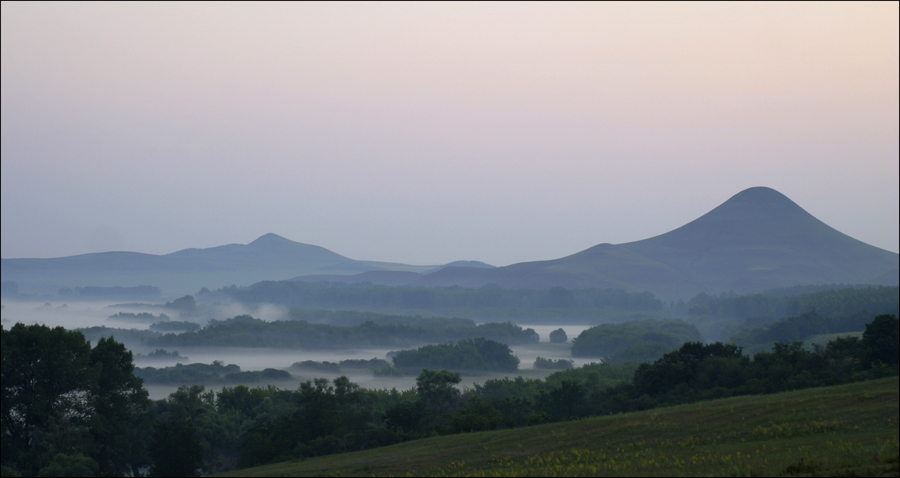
<point>424,133</point>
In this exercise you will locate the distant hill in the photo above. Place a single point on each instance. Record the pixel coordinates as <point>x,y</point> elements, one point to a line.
<point>759,239</point>
<point>271,257</point>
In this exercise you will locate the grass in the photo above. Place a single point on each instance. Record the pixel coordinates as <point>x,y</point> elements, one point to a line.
<point>847,430</point>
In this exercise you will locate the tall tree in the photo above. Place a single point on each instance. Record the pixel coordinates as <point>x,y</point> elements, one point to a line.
<point>46,379</point>
<point>175,449</point>
<point>62,400</point>
<point>437,390</point>
<point>881,340</point>
<point>121,406</point>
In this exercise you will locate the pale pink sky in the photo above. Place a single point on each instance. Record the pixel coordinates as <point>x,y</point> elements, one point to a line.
<point>425,133</point>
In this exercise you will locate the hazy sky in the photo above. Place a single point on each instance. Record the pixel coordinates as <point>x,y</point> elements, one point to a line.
<point>425,133</point>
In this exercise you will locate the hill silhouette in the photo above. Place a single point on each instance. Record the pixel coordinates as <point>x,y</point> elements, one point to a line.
<point>270,257</point>
<point>758,239</point>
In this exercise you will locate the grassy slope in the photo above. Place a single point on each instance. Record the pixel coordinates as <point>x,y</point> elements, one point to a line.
<point>845,430</point>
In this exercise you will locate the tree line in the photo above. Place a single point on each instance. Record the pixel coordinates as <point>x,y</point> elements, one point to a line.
<point>70,408</point>
<point>634,340</point>
<point>377,297</point>
<point>833,301</point>
<point>246,331</point>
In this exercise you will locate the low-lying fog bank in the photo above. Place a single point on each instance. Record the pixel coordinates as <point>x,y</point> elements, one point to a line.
<point>78,314</point>
<point>74,315</point>
<point>158,392</point>
<point>259,359</point>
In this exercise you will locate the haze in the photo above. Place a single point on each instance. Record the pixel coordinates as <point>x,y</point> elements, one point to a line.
<point>81,314</point>
<point>426,133</point>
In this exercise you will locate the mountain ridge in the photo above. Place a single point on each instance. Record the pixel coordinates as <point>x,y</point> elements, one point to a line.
<point>758,239</point>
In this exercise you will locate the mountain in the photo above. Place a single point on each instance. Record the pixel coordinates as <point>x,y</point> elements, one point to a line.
<point>271,257</point>
<point>758,239</point>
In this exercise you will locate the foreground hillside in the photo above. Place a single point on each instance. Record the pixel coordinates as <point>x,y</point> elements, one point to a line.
<point>844,430</point>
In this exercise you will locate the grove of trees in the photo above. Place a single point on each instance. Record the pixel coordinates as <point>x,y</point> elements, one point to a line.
<point>72,409</point>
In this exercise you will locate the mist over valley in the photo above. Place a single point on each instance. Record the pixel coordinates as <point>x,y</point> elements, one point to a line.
<point>450,239</point>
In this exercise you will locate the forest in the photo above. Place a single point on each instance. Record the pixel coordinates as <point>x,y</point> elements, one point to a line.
<point>826,300</point>
<point>572,305</point>
<point>68,407</point>
<point>467,356</point>
<point>246,331</point>
<point>633,338</point>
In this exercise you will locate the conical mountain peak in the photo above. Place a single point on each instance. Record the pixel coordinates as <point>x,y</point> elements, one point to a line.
<point>753,217</point>
<point>756,240</point>
<point>269,240</point>
<point>760,201</point>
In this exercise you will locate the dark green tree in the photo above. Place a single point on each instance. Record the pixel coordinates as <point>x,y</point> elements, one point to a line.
<point>564,402</point>
<point>46,380</point>
<point>559,336</point>
<point>70,465</point>
<point>437,390</point>
<point>318,414</point>
<point>63,401</point>
<point>121,405</point>
<point>881,340</point>
<point>175,449</point>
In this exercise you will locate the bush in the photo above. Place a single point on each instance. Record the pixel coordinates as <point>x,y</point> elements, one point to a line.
<point>550,364</point>
<point>467,355</point>
<point>559,336</point>
<point>607,339</point>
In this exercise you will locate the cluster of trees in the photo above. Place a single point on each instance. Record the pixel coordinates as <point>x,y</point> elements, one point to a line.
<point>550,364</point>
<point>471,356</point>
<point>175,326</point>
<point>68,408</point>
<point>325,417</point>
<point>214,373</point>
<point>139,317</point>
<point>349,318</point>
<point>372,365</point>
<point>697,371</point>
<point>634,340</point>
<point>68,405</point>
<point>245,331</point>
<point>558,336</point>
<point>800,327</point>
<point>163,354</point>
<point>126,336</point>
<point>187,305</point>
<point>831,301</point>
<point>369,296</point>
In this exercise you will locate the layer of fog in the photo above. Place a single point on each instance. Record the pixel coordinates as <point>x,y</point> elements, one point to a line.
<point>77,314</point>
<point>73,315</point>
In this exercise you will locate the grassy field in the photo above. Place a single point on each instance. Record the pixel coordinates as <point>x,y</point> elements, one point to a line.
<point>848,430</point>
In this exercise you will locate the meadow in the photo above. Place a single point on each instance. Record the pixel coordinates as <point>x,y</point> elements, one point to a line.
<point>845,430</point>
